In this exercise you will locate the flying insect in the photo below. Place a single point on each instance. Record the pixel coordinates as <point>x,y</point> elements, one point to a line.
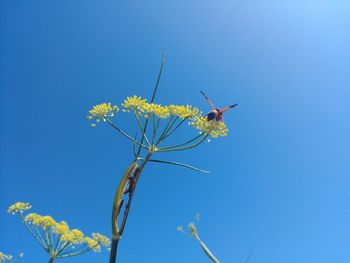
<point>216,113</point>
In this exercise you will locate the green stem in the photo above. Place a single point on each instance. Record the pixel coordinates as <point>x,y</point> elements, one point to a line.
<point>118,199</point>
<point>32,233</point>
<point>153,96</point>
<point>51,260</point>
<point>116,238</point>
<point>179,164</point>
<point>125,134</point>
<point>177,126</point>
<point>183,148</point>
<point>206,250</point>
<point>140,126</point>
<point>165,130</point>
<point>182,144</point>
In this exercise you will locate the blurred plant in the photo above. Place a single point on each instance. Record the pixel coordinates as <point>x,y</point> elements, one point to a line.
<point>193,232</point>
<point>151,142</point>
<point>10,258</point>
<point>56,238</point>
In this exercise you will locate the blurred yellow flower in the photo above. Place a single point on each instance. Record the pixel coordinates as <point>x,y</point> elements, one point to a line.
<point>19,207</point>
<point>56,237</point>
<point>92,244</point>
<point>103,240</point>
<point>4,257</point>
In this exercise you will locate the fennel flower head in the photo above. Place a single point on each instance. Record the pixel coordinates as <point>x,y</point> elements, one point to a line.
<point>142,109</point>
<point>101,111</point>
<point>57,238</point>
<point>4,257</point>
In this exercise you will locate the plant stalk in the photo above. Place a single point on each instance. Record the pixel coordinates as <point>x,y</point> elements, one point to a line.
<point>132,186</point>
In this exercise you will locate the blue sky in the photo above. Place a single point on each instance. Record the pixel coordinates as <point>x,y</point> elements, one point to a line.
<point>279,183</point>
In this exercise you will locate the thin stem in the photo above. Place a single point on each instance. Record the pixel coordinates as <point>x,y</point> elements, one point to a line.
<point>63,248</point>
<point>153,96</point>
<point>79,252</point>
<point>179,164</point>
<point>171,126</point>
<point>51,260</point>
<point>30,230</point>
<point>155,127</point>
<point>125,134</point>
<point>57,244</point>
<point>206,250</point>
<point>184,148</point>
<point>140,126</point>
<point>165,130</point>
<point>182,144</point>
<point>177,126</point>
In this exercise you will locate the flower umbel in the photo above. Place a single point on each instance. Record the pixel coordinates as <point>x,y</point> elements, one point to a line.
<point>214,128</point>
<point>4,257</point>
<point>19,207</point>
<point>57,239</point>
<point>101,111</point>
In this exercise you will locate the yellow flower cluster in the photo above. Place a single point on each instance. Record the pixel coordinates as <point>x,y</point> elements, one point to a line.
<point>146,109</point>
<point>4,258</point>
<point>193,229</point>
<point>183,112</point>
<point>134,102</point>
<point>101,111</point>
<point>214,128</point>
<point>19,207</point>
<point>60,229</point>
<point>93,244</point>
<point>103,240</point>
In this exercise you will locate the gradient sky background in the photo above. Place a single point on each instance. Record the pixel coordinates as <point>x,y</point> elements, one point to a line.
<point>279,183</point>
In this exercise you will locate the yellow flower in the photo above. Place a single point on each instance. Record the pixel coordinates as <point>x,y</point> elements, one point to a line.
<point>146,109</point>
<point>93,244</point>
<point>214,128</point>
<point>33,218</point>
<point>193,229</point>
<point>19,207</point>
<point>134,103</point>
<point>101,239</point>
<point>74,236</point>
<point>47,222</point>
<point>41,221</point>
<point>101,111</point>
<point>61,228</point>
<point>156,109</point>
<point>4,257</point>
<point>183,112</point>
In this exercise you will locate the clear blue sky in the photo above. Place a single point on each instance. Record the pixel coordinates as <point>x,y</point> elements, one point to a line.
<point>279,183</point>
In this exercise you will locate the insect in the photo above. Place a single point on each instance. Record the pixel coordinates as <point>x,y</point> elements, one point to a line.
<point>216,113</point>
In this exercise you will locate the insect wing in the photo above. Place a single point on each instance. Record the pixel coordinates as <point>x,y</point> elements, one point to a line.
<point>209,101</point>
<point>228,108</point>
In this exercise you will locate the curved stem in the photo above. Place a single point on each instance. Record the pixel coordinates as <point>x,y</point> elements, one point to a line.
<point>135,178</point>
